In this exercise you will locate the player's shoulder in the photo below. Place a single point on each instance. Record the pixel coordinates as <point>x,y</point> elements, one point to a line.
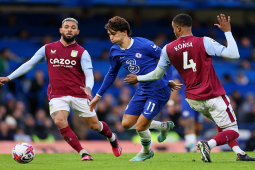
<point>56,43</point>
<point>142,41</point>
<point>114,50</point>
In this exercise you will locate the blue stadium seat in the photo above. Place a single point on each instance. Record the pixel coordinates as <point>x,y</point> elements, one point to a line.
<point>95,47</point>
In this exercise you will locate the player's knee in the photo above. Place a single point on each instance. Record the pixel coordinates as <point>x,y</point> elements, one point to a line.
<point>141,128</point>
<point>61,123</point>
<point>126,125</point>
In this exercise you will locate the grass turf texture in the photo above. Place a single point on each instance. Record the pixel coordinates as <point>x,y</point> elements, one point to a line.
<point>174,161</point>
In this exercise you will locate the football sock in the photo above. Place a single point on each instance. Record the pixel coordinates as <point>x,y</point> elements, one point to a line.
<point>237,150</point>
<point>145,137</point>
<point>222,138</point>
<point>233,144</point>
<point>70,137</point>
<point>105,130</point>
<point>83,151</point>
<point>155,125</point>
<point>190,140</point>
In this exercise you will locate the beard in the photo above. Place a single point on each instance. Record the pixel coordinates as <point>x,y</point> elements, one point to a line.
<point>68,40</point>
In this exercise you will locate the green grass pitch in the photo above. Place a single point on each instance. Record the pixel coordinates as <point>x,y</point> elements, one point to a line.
<point>170,161</point>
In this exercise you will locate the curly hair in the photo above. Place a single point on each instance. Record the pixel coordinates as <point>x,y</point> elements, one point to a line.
<point>118,24</point>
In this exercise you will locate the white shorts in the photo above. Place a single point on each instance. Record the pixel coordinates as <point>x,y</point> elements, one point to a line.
<point>80,106</point>
<point>217,109</point>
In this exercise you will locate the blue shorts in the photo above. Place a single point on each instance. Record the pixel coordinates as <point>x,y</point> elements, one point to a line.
<point>149,104</point>
<point>188,112</point>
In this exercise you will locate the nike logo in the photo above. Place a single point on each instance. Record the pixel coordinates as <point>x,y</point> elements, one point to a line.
<point>154,46</point>
<point>146,113</point>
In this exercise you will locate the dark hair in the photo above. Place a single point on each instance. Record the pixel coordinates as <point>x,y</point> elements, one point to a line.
<point>183,20</point>
<point>118,24</point>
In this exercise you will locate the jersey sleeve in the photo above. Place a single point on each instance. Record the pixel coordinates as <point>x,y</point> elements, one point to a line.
<point>164,61</point>
<point>24,68</point>
<point>212,47</point>
<point>86,61</point>
<point>86,65</point>
<point>115,66</point>
<point>153,50</point>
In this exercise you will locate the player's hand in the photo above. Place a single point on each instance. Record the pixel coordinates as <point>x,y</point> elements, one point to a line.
<point>93,103</point>
<point>131,79</point>
<point>224,23</point>
<point>4,80</point>
<point>87,91</point>
<point>174,86</point>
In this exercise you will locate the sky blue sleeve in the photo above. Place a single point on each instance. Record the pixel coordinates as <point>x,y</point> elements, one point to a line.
<point>24,68</point>
<point>212,47</point>
<point>111,75</point>
<point>86,61</point>
<point>164,61</point>
<point>153,50</point>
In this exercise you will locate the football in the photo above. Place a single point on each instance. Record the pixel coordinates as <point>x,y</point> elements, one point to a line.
<point>23,153</point>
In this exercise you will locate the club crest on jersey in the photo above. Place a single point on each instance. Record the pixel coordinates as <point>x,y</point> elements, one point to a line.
<point>74,53</point>
<point>138,55</point>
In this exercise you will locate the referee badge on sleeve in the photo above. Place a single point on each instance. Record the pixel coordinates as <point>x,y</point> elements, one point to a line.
<point>74,53</point>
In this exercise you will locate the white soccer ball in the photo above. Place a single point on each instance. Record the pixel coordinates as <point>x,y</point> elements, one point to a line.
<point>23,153</point>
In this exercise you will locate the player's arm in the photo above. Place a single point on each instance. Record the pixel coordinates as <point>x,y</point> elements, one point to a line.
<point>108,81</point>
<point>24,68</point>
<point>163,64</point>
<point>87,68</point>
<point>214,48</point>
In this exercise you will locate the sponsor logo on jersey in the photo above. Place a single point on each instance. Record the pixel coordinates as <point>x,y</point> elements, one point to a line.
<point>62,62</point>
<point>133,68</point>
<point>53,51</point>
<point>74,53</point>
<point>138,55</point>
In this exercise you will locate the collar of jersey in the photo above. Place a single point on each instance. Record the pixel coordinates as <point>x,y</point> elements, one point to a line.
<point>68,44</point>
<point>130,45</point>
<point>186,36</point>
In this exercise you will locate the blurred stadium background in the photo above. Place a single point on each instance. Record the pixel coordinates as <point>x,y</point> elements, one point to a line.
<point>26,25</point>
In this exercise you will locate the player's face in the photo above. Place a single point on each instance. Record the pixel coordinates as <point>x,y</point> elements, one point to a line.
<point>177,29</point>
<point>69,31</point>
<point>116,37</point>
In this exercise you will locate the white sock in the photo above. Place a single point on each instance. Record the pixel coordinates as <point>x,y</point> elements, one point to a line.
<point>145,137</point>
<point>158,125</point>
<point>212,143</point>
<point>112,138</point>
<point>154,125</point>
<point>190,140</point>
<point>83,151</point>
<point>237,150</point>
<point>101,126</point>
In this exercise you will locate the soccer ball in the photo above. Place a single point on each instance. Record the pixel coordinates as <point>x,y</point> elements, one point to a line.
<point>23,153</point>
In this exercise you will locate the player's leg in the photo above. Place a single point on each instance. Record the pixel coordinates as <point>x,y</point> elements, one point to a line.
<point>188,115</point>
<point>81,107</point>
<point>104,129</point>
<point>241,155</point>
<point>59,110</point>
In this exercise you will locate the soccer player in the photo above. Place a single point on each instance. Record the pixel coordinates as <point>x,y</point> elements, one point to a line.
<point>138,56</point>
<point>192,120</point>
<point>70,83</point>
<point>192,57</point>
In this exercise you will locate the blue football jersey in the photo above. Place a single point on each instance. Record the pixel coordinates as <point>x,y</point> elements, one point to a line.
<point>139,58</point>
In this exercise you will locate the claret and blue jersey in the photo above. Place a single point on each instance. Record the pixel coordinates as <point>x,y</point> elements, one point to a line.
<point>140,58</point>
